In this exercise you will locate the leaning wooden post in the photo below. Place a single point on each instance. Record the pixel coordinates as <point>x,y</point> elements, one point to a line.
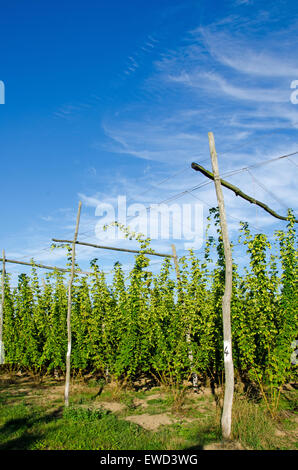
<point>188,340</point>
<point>226,420</point>
<point>2,309</point>
<point>67,377</point>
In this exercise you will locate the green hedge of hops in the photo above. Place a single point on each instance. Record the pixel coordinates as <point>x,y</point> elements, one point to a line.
<point>144,323</point>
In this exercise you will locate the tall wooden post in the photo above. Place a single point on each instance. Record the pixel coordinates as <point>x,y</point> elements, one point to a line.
<point>2,309</point>
<point>67,376</point>
<point>226,420</point>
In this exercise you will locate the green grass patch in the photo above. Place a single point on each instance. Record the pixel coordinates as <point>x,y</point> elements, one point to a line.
<point>254,428</point>
<point>37,419</point>
<point>28,427</point>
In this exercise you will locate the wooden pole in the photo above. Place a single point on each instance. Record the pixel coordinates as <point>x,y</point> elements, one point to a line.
<point>226,420</point>
<point>67,377</point>
<point>238,191</point>
<point>176,262</point>
<point>43,266</point>
<point>188,340</point>
<point>126,250</point>
<point>2,309</point>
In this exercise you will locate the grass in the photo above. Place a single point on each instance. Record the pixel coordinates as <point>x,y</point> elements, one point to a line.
<point>28,427</point>
<point>33,417</point>
<point>254,427</point>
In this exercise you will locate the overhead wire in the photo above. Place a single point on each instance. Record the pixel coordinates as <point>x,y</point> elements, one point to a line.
<point>262,186</point>
<point>48,249</point>
<point>191,190</point>
<point>292,161</point>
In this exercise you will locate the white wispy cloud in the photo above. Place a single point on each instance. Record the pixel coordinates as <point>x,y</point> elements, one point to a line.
<point>247,56</point>
<point>228,77</point>
<point>214,84</point>
<point>243,2</point>
<point>136,60</point>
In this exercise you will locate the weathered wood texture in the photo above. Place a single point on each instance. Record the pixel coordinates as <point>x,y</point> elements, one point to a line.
<point>226,420</point>
<point>67,376</point>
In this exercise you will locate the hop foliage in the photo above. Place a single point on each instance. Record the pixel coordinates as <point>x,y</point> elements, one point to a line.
<point>145,323</point>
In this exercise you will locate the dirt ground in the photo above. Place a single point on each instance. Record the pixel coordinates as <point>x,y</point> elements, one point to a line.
<point>50,391</point>
<point>151,409</point>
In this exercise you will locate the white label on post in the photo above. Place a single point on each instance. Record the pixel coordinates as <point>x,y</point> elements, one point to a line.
<point>1,352</point>
<point>227,351</point>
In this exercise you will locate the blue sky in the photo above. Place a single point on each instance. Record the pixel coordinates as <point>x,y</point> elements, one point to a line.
<point>111,98</point>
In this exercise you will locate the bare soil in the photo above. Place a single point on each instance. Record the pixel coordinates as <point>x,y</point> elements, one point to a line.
<point>151,422</point>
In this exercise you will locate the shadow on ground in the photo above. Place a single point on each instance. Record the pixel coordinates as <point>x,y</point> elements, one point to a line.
<point>27,438</point>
